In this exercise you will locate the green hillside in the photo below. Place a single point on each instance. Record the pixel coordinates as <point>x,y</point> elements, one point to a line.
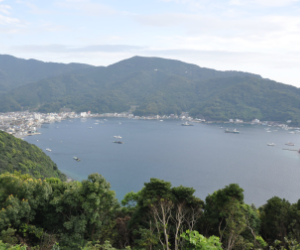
<point>160,86</point>
<point>18,155</point>
<point>15,72</point>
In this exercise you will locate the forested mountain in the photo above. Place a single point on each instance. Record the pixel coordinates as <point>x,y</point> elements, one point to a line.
<point>160,86</point>
<point>18,155</point>
<point>15,72</point>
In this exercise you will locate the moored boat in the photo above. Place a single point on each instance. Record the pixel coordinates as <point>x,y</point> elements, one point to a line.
<point>118,142</point>
<point>290,144</point>
<point>232,131</point>
<point>76,158</point>
<point>187,124</point>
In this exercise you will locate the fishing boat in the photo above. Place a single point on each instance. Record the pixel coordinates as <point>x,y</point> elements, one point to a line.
<point>187,124</point>
<point>290,144</point>
<point>48,149</point>
<point>271,144</point>
<point>232,131</point>
<point>76,158</point>
<point>118,142</point>
<point>118,137</point>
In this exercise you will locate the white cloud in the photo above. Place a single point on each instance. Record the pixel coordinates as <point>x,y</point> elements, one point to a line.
<point>264,3</point>
<point>34,9</point>
<point>5,9</point>
<point>58,48</point>
<point>5,20</point>
<point>87,7</point>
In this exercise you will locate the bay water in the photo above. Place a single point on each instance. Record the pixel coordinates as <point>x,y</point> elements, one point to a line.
<point>200,156</point>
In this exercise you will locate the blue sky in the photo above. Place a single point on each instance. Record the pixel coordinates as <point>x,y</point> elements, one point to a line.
<point>258,36</point>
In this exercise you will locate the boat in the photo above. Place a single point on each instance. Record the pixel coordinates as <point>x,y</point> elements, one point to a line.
<point>232,131</point>
<point>48,149</point>
<point>76,158</point>
<point>119,142</point>
<point>292,132</point>
<point>161,120</point>
<point>118,136</point>
<point>187,124</point>
<point>90,127</point>
<point>105,120</point>
<point>271,144</point>
<point>290,144</point>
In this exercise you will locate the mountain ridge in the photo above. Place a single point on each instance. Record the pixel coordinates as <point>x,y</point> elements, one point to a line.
<point>159,86</point>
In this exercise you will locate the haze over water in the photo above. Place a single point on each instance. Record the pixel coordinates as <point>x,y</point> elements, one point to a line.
<point>202,156</point>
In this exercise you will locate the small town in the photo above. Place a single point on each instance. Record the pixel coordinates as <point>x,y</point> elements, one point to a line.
<point>26,123</point>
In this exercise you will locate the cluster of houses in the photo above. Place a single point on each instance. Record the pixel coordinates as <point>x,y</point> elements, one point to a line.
<point>21,124</point>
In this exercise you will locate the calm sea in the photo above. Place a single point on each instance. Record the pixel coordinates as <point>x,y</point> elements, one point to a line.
<point>202,156</point>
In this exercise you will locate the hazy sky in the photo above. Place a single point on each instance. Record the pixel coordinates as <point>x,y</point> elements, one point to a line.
<point>258,36</point>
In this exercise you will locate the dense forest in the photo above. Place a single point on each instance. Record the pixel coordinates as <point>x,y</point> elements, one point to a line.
<point>51,214</point>
<point>21,156</point>
<point>15,72</point>
<point>159,86</point>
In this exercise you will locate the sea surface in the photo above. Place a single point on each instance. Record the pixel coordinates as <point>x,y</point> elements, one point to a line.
<point>200,156</point>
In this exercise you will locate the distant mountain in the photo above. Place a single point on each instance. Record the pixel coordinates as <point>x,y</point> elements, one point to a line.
<point>160,86</point>
<point>18,155</point>
<point>15,72</point>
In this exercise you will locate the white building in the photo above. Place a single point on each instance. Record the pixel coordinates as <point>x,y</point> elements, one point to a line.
<point>37,116</point>
<point>256,121</point>
<point>83,114</point>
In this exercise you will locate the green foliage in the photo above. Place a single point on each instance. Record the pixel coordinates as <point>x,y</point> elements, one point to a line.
<point>19,155</point>
<point>97,246</point>
<point>275,219</point>
<point>147,238</point>
<point>199,242</point>
<point>8,236</point>
<point>4,246</point>
<point>261,242</point>
<point>170,89</point>
<point>17,72</point>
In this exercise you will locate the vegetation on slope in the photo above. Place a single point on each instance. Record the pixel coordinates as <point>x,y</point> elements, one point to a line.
<point>15,72</point>
<point>51,214</point>
<point>18,155</point>
<point>160,86</point>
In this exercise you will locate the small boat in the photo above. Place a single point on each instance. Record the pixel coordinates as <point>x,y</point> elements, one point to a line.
<point>119,142</point>
<point>292,132</point>
<point>120,123</point>
<point>290,144</point>
<point>161,120</point>
<point>76,158</point>
<point>271,144</point>
<point>48,149</point>
<point>96,123</point>
<point>187,124</point>
<point>118,137</point>
<point>232,131</point>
